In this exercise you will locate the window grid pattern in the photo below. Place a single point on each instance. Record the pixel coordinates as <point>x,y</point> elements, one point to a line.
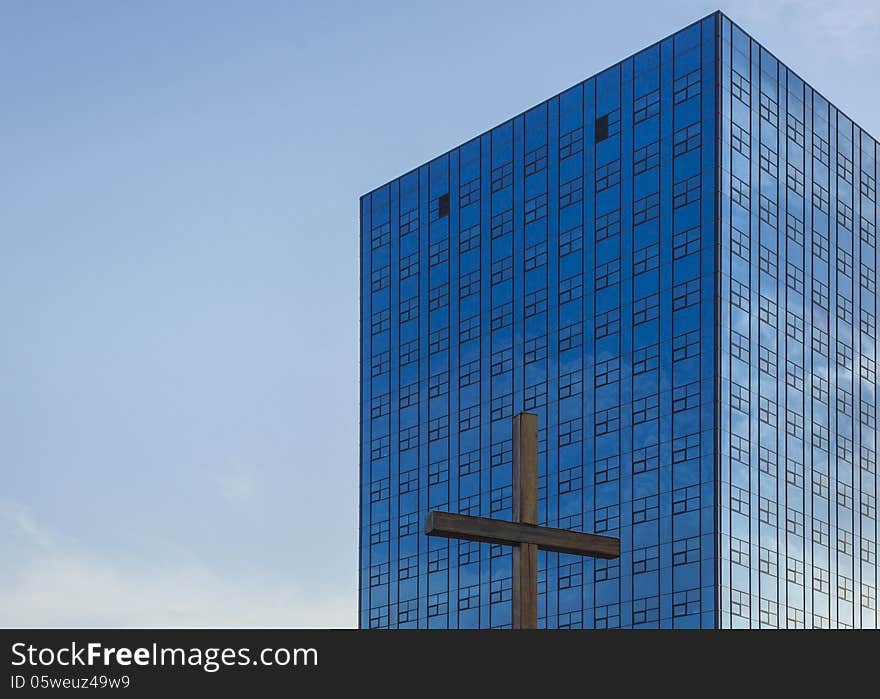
<point>565,263</point>
<point>798,479</point>
<point>560,263</point>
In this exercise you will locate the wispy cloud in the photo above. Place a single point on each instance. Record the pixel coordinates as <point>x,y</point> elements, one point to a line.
<point>846,29</point>
<point>59,583</point>
<point>849,29</point>
<point>240,488</point>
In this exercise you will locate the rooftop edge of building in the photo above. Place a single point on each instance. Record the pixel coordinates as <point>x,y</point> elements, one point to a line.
<point>717,14</point>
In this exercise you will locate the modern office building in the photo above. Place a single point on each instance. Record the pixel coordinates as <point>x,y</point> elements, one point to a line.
<point>673,264</point>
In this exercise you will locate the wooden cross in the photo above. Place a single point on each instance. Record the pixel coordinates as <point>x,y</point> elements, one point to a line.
<point>523,533</point>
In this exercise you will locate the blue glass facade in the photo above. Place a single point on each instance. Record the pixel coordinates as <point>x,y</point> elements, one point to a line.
<point>603,260</point>
<point>798,308</point>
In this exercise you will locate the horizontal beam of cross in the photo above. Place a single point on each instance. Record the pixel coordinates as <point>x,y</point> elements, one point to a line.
<point>496,531</point>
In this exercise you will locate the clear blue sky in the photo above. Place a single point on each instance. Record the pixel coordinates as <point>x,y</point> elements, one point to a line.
<point>178,269</point>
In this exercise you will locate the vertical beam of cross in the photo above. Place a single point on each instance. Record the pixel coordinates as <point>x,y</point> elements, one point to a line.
<point>525,511</point>
<point>524,533</point>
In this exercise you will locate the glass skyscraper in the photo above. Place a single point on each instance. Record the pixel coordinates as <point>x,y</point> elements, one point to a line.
<point>673,264</point>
